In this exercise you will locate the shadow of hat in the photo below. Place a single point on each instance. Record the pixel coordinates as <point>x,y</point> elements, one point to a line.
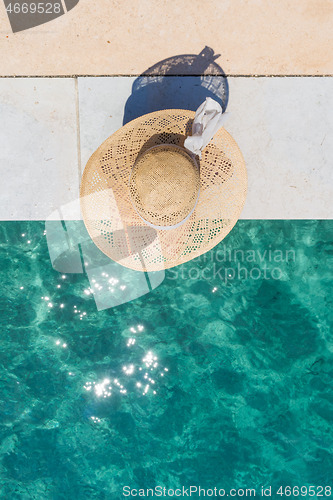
<point>179,82</point>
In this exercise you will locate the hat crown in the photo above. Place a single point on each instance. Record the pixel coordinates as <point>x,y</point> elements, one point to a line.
<point>164,185</point>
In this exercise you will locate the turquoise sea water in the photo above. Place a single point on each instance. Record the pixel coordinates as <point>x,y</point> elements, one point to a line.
<point>216,378</point>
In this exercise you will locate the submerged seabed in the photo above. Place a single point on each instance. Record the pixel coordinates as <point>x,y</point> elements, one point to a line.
<point>214,378</point>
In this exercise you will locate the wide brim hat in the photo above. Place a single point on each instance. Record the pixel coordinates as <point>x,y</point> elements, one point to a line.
<point>136,228</point>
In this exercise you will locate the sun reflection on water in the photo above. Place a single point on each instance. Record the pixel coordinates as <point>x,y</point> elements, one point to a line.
<point>58,342</point>
<point>105,387</point>
<point>129,370</point>
<point>141,376</point>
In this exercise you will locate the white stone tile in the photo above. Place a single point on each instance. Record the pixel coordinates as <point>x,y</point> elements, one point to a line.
<point>38,147</point>
<point>101,108</point>
<point>284,127</point>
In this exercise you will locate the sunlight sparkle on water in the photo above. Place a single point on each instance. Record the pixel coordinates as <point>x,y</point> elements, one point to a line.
<point>113,281</point>
<point>95,419</point>
<point>101,389</point>
<point>129,370</point>
<point>150,360</point>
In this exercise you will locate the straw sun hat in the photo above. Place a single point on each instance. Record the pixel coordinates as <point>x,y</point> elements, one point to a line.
<point>150,203</point>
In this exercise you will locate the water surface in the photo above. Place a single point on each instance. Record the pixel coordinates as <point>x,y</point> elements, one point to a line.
<point>218,377</point>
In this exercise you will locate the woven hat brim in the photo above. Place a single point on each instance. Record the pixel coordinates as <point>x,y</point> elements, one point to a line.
<point>119,231</point>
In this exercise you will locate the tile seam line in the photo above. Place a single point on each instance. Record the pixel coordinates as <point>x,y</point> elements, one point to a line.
<point>78,128</point>
<point>168,76</point>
